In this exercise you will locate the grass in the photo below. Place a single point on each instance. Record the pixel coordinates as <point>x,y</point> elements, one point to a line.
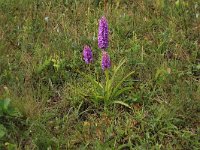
<point>40,52</point>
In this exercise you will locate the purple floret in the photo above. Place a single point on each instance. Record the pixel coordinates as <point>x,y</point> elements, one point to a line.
<point>103,33</point>
<point>87,54</point>
<point>105,63</point>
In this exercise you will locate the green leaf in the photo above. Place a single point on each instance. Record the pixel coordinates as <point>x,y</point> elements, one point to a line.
<point>109,82</point>
<point>6,109</point>
<point>11,146</point>
<point>13,112</point>
<point>119,92</point>
<point>122,103</point>
<point>119,84</point>
<point>2,131</point>
<point>4,104</point>
<point>116,70</point>
<point>43,66</point>
<point>93,81</point>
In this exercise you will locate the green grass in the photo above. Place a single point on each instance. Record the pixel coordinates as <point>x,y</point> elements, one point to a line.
<point>39,60</point>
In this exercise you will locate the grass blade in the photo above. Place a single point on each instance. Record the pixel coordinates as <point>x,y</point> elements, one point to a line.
<point>122,103</point>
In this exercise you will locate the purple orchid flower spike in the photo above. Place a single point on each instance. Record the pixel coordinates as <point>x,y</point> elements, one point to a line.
<point>87,54</point>
<point>103,33</point>
<point>105,63</point>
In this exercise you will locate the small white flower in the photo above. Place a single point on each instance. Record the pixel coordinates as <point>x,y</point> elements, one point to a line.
<point>46,19</point>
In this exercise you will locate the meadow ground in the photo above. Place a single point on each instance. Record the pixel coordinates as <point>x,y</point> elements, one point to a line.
<point>46,102</point>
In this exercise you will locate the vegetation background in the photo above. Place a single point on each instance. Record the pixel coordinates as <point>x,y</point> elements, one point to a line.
<point>41,45</point>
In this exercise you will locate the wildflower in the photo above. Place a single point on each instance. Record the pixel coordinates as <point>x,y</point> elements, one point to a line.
<point>105,63</point>
<point>103,33</point>
<point>46,19</point>
<point>87,54</point>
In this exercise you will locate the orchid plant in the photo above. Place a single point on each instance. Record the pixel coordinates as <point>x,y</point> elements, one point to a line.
<point>112,87</point>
